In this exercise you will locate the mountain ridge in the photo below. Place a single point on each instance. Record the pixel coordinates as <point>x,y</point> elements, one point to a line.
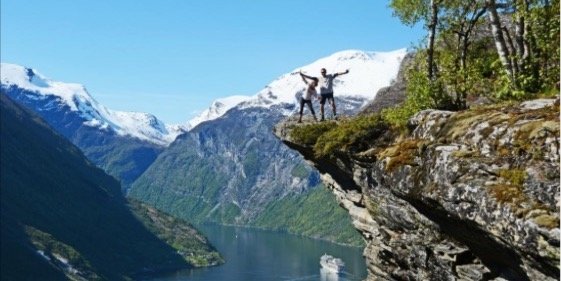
<point>231,169</point>
<point>63,213</point>
<point>143,126</point>
<point>369,72</point>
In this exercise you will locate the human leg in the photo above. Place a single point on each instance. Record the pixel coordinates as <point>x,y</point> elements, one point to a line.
<point>301,110</point>
<point>334,108</point>
<point>321,105</point>
<point>312,109</point>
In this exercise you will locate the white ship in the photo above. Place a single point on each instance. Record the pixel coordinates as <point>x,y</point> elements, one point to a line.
<point>332,264</point>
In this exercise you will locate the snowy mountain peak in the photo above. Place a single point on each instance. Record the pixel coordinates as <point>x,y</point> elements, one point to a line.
<point>217,109</point>
<point>368,72</point>
<point>136,124</point>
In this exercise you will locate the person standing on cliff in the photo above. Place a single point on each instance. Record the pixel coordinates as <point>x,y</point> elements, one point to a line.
<point>326,90</point>
<point>308,95</point>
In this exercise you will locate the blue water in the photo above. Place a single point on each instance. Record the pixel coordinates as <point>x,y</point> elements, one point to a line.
<point>259,255</point>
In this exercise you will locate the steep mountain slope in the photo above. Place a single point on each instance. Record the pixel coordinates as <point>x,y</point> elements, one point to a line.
<point>230,168</point>
<point>123,143</point>
<point>61,216</point>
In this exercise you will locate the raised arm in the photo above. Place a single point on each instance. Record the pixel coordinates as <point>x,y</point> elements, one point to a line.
<point>341,73</point>
<point>303,78</point>
<point>306,76</point>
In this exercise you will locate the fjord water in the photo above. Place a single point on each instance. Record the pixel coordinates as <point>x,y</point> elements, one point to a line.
<point>253,254</point>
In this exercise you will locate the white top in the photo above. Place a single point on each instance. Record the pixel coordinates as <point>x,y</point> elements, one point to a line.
<point>326,83</point>
<point>310,92</point>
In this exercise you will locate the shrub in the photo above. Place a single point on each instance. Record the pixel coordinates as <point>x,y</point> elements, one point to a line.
<point>356,132</point>
<point>308,134</point>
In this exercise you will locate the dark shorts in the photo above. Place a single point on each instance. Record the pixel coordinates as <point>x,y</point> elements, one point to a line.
<point>327,96</point>
<point>309,103</point>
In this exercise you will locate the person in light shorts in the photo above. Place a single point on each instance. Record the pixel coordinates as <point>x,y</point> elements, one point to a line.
<point>308,95</point>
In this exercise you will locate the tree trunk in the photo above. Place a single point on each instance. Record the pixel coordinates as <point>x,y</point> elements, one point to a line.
<point>514,59</point>
<point>500,42</point>
<point>520,28</point>
<point>432,34</point>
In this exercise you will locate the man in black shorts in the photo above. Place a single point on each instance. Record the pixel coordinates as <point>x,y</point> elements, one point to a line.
<point>326,90</point>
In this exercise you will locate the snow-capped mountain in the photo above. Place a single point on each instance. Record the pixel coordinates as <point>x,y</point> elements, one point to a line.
<point>368,72</point>
<point>143,126</point>
<point>217,109</point>
<point>230,168</point>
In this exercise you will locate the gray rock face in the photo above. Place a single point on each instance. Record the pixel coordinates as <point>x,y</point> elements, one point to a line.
<point>470,195</point>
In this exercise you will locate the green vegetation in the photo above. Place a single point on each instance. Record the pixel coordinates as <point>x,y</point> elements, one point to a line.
<point>57,252</point>
<point>124,158</point>
<point>513,176</point>
<point>464,59</point>
<point>309,134</point>
<point>53,199</point>
<point>301,214</point>
<point>354,132</point>
<point>511,190</point>
<point>179,234</point>
<point>187,193</point>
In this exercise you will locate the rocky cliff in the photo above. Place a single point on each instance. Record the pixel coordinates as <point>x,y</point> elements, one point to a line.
<point>470,195</point>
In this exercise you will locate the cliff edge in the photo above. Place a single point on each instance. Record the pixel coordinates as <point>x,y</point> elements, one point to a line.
<point>470,195</point>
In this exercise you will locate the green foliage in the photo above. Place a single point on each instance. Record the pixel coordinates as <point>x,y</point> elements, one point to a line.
<point>309,134</point>
<point>315,215</point>
<point>541,69</point>
<point>70,206</point>
<point>19,259</point>
<point>349,133</point>
<point>504,88</point>
<point>54,250</point>
<point>419,96</point>
<point>179,234</point>
<point>227,212</point>
<point>410,12</point>
<point>467,65</point>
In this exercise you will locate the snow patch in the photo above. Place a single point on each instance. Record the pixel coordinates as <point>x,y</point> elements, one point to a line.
<point>217,109</point>
<point>368,73</point>
<point>140,125</point>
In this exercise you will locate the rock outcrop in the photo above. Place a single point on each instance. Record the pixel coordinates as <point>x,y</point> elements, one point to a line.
<point>470,195</point>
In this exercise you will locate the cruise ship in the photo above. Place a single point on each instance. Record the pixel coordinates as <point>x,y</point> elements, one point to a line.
<point>332,264</point>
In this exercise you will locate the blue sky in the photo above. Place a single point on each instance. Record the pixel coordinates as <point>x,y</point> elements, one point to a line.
<point>172,58</point>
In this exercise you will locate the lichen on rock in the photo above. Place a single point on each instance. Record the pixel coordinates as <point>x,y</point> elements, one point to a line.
<point>471,195</point>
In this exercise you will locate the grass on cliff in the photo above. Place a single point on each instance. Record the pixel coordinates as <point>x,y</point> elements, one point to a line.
<point>326,137</point>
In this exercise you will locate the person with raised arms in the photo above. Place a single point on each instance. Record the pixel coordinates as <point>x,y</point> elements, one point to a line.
<point>326,90</point>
